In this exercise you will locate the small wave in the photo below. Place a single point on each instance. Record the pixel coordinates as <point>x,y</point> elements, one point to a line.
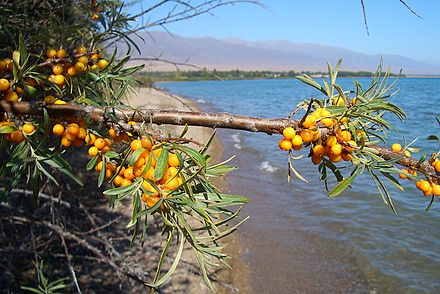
<point>266,166</point>
<point>200,101</point>
<point>236,138</point>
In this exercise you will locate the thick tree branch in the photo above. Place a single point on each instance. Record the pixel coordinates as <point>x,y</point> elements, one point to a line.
<point>204,119</point>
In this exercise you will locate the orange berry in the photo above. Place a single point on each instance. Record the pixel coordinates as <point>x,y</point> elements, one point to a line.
<point>4,84</point>
<point>308,122</point>
<point>172,184</point>
<point>136,144</point>
<point>58,129</point>
<point>51,53</point>
<point>82,133</point>
<point>425,186</point>
<point>71,71</point>
<point>112,132</point>
<point>94,67</point>
<point>17,136</point>
<point>81,50</point>
<point>147,186</point>
<point>336,149</point>
<point>289,133</point>
<point>335,158</point>
<point>403,176</point>
<point>61,53</point>
<point>325,113</point>
<point>98,167</point>
<point>316,159</point>
<point>345,136</point>
<point>121,171</point>
<point>102,63</point>
<point>60,102</point>
<point>128,173</point>
<point>79,66</point>
<point>99,143</point>
<point>84,60</point>
<point>90,139</point>
<point>57,79</point>
<point>173,159</point>
<point>436,189</point>
<point>150,174</point>
<point>11,96</point>
<point>150,201</point>
<point>331,140</point>
<point>306,135</point>
<point>108,173</point>
<point>318,150</point>
<point>428,192</point>
<point>169,173</point>
<point>407,153</point>
<point>94,56</point>
<point>28,128</point>
<point>69,136</point>
<point>93,151</point>
<point>328,122</point>
<point>126,182</point>
<point>118,180</point>
<point>50,99</point>
<point>346,157</point>
<point>437,166</point>
<point>297,141</point>
<point>73,129</point>
<point>396,147</point>
<point>147,142</point>
<point>345,120</point>
<point>157,152</point>
<point>285,144</point>
<point>140,162</point>
<point>66,142</point>
<point>57,69</point>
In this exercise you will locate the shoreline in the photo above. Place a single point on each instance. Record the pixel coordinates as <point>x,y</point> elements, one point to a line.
<point>228,280</point>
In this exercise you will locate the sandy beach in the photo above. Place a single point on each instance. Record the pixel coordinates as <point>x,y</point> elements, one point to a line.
<point>225,280</point>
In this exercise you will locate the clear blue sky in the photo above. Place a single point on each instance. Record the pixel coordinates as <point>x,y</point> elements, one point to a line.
<point>393,29</point>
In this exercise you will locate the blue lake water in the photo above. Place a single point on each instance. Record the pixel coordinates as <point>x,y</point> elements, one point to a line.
<point>300,241</point>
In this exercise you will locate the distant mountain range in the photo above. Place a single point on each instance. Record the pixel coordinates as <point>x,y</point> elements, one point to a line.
<point>275,55</point>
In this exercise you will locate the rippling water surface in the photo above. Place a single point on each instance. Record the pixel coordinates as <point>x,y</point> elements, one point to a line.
<point>300,241</point>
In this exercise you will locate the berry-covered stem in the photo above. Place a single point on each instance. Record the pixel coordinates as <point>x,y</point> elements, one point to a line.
<point>205,119</point>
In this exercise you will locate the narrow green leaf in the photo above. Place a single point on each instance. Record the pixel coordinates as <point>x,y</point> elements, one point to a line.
<point>135,156</point>
<point>92,162</point>
<point>339,188</point>
<point>161,164</point>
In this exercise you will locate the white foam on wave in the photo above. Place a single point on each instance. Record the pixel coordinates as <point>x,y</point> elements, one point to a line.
<point>237,139</point>
<point>200,101</point>
<point>266,166</point>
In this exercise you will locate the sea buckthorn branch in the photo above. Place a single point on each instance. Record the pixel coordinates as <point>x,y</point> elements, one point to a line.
<point>213,120</point>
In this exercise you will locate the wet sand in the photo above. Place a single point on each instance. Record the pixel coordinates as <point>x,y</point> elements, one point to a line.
<point>227,280</point>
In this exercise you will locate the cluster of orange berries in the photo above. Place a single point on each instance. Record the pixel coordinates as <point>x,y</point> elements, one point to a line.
<point>71,135</point>
<point>6,91</point>
<point>156,187</point>
<point>336,147</point>
<point>18,135</point>
<point>163,186</point>
<point>428,188</point>
<point>63,69</point>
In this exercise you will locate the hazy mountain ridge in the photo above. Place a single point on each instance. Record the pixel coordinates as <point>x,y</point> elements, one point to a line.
<point>234,53</point>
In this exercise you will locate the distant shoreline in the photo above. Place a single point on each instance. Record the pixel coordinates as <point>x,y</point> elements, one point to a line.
<point>149,78</point>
